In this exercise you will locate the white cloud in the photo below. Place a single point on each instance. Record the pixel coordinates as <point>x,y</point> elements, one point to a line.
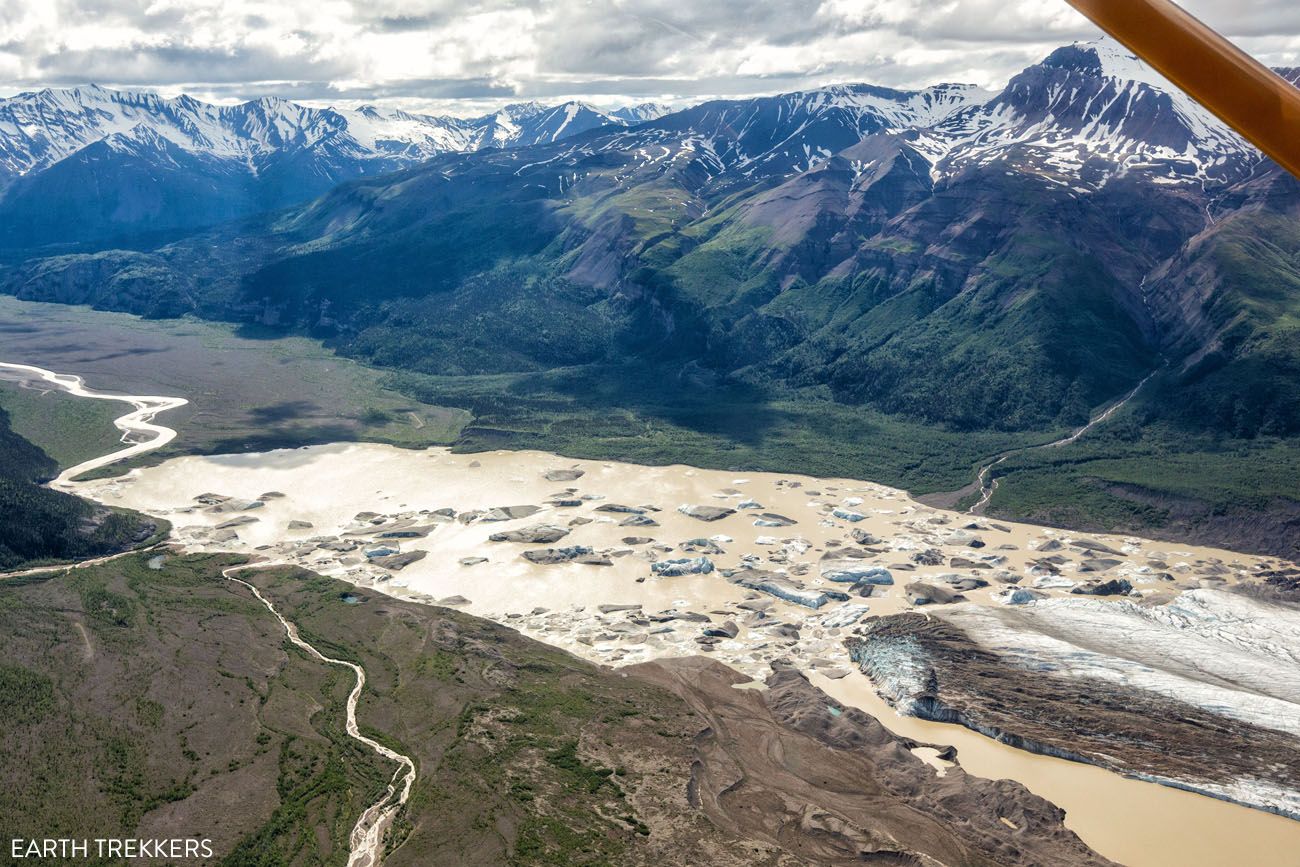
<point>446,54</point>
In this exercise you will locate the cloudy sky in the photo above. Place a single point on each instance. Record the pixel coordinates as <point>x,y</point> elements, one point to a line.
<point>463,56</point>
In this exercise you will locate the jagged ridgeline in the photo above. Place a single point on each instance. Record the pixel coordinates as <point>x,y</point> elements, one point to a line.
<point>967,260</point>
<point>99,166</point>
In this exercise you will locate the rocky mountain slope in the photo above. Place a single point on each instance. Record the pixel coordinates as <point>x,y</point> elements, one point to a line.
<point>92,165</point>
<point>1005,261</point>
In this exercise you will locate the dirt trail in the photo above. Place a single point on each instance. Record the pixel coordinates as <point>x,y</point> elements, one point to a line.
<point>85,638</point>
<point>988,483</point>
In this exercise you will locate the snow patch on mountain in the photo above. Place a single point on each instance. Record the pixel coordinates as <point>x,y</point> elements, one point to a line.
<point>38,129</point>
<point>1088,113</point>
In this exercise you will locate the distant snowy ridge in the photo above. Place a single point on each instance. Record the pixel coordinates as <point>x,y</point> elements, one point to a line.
<point>1087,113</point>
<point>38,129</point>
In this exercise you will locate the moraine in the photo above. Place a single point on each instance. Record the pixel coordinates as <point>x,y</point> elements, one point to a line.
<point>329,507</point>
<point>384,500</point>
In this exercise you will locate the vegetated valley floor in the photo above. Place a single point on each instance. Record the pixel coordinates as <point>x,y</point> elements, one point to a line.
<point>245,394</point>
<point>1136,473</point>
<point>69,429</point>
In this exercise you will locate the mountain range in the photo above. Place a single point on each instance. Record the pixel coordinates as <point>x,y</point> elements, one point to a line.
<point>972,260</point>
<point>142,164</point>
<point>102,167</point>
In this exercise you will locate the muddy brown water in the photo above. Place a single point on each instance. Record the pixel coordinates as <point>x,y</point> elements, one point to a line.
<point>1132,822</point>
<point>1129,821</point>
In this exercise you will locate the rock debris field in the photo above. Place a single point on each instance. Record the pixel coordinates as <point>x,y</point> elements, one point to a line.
<point>623,564</point>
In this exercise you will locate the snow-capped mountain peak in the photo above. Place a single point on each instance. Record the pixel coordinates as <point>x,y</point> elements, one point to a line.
<point>526,124</point>
<point>38,129</point>
<point>1086,113</point>
<point>1108,59</point>
<point>517,111</point>
<point>641,113</point>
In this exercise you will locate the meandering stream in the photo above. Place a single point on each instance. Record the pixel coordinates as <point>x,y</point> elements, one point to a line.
<point>141,435</point>
<point>1133,822</point>
<point>368,833</point>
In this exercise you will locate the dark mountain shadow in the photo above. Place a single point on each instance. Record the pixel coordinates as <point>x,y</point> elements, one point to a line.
<point>276,413</point>
<point>682,395</point>
<point>287,437</point>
